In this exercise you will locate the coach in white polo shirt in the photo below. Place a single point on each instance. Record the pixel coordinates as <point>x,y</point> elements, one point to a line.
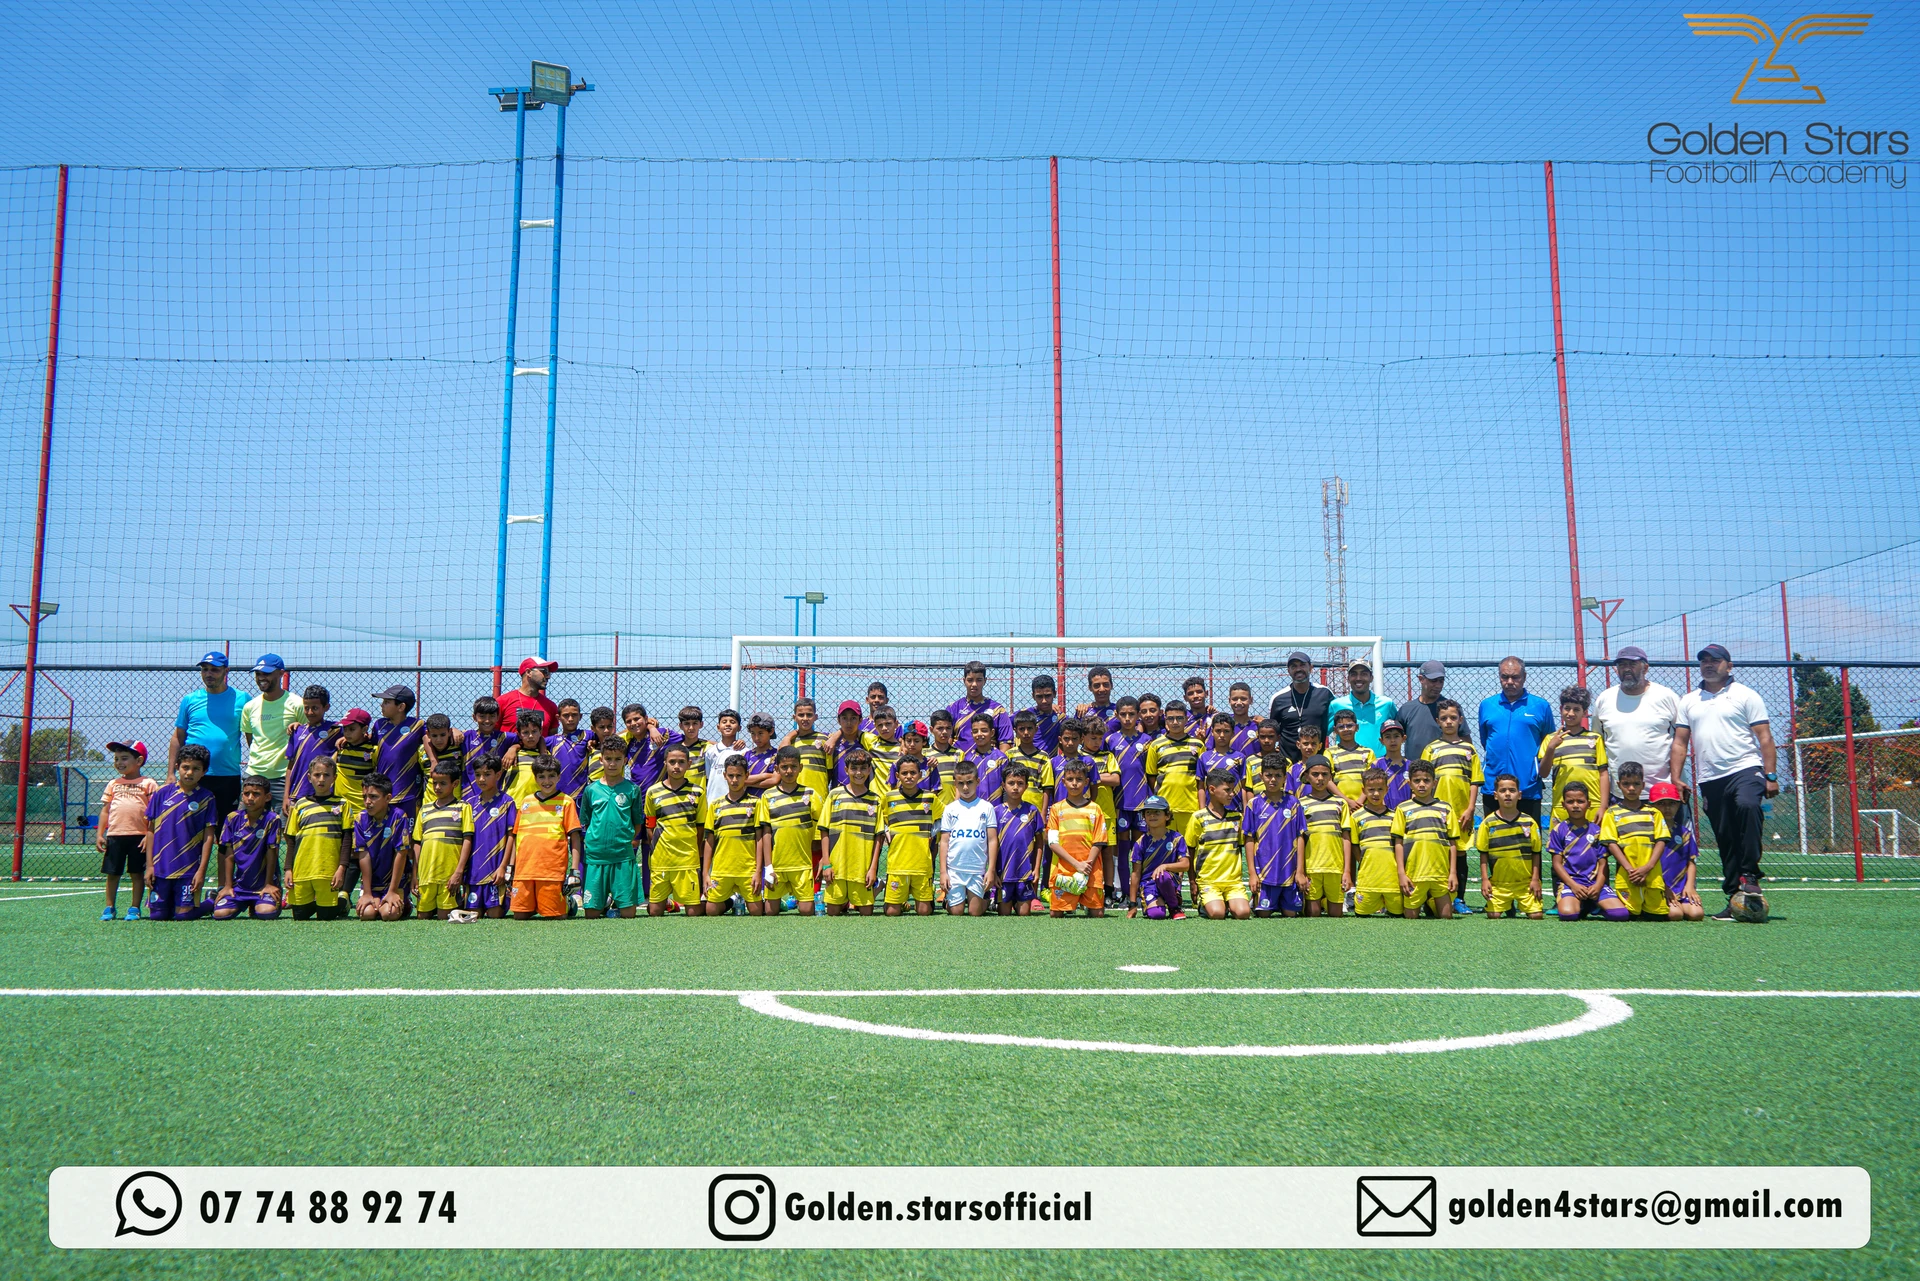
<point>1725,723</point>
<point>1636,717</point>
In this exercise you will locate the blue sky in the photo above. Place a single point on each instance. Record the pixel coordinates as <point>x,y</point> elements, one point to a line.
<point>1295,242</point>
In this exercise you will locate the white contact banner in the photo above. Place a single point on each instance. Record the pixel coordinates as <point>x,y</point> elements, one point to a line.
<point>963,1207</point>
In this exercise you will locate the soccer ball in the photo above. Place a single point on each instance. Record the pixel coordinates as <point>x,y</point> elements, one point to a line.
<point>1072,885</point>
<point>1749,906</point>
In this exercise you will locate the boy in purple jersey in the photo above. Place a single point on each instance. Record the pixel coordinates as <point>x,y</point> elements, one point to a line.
<point>397,737</point>
<point>180,845</point>
<point>876,699</point>
<point>1152,721</point>
<point>1022,828</point>
<point>382,843</point>
<point>1046,717</point>
<point>760,772</point>
<point>250,856</point>
<point>306,743</point>
<point>987,756</point>
<point>1308,739</point>
<point>1272,827</point>
<point>1160,860</point>
<point>1128,744</point>
<point>1246,729</point>
<point>1579,862</point>
<point>1199,711</point>
<point>1068,752</point>
<point>1678,862</point>
<point>571,748</point>
<point>967,710</point>
<point>486,738</point>
<point>1219,754</point>
<point>494,815</point>
<point>1393,737</point>
<point>1100,685</point>
<point>646,749</point>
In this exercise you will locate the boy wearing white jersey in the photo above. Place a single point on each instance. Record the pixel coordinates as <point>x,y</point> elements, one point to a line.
<point>969,844</point>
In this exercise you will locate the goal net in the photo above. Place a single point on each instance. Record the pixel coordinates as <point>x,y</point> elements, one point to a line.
<point>923,673</point>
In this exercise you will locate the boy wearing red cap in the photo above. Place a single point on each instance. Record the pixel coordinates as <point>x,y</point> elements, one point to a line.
<point>123,826</point>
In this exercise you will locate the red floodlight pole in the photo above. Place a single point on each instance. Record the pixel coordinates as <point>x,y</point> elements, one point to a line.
<point>1566,432</point>
<point>1059,446</point>
<point>40,529</point>
<point>1853,782</point>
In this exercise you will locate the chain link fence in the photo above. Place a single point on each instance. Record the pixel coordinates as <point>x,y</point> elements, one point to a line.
<point>1810,832</point>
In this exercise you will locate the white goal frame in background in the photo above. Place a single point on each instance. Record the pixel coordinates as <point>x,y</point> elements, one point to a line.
<point>986,646</point>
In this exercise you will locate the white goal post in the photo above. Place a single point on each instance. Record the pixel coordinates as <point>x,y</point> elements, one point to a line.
<point>801,654</point>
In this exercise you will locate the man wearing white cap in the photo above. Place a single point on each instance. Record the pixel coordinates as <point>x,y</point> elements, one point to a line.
<point>1636,717</point>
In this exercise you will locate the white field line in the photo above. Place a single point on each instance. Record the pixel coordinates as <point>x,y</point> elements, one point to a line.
<point>805,993</point>
<point>1602,1011</point>
<point>95,892</point>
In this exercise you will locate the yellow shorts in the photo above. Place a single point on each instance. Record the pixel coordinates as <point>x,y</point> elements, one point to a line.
<point>1367,902</point>
<point>797,881</point>
<point>849,893</point>
<point>1325,887</point>
<point>436,897</point>
<point>681,884</point>
<point>1642,900</point>
<point>904,885</point>
<point>317,893</point>
<point>1425,892</point>
<point>725,887</point>
<point>1518,890</point>
<point>1223,892</point>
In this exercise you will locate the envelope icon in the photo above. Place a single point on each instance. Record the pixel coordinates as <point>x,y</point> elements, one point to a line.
<point>1397,1205</point>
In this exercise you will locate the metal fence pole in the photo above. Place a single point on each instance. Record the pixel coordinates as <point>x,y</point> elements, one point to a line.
<point>1853,786</point>
<point>40,532</point>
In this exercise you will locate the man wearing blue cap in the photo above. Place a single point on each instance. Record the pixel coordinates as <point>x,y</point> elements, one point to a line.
<point>267,719</point>
<point>210,718</point>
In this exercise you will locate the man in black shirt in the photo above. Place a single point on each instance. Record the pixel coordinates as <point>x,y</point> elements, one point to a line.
<point>1301,702</point>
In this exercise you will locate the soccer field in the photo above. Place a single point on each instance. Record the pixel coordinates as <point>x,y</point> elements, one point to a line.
<point>696,1077</point>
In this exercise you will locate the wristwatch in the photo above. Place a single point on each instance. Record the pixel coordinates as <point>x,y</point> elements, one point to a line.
<point>1771,778</point>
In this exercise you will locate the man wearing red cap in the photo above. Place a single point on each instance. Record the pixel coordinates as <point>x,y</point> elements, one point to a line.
<point>534,673</point>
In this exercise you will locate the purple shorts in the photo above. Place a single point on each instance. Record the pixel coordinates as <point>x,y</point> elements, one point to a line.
<point>1018,892</point>
<point>245,901</point>
<point>1284,897</point>
<point>171,900</point>
<point>1129,821</point>
<point>482,898</point>
<point>1160,891</point>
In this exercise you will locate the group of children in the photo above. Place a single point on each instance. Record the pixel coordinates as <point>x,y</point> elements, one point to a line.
<point>975,809</point>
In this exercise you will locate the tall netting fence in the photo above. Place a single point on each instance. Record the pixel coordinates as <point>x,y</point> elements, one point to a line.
<point>1809,832</point>
<point>281,401</point>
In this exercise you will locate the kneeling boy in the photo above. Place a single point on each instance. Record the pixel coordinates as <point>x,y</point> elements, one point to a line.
<point>1579,861</point>
<point>250,856</point>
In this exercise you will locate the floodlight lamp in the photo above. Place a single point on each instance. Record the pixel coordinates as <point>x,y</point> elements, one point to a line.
<point>816,598</point>
<point>551,83</point>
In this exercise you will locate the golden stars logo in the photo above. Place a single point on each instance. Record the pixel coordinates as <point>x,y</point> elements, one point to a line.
<point>1770,80</point>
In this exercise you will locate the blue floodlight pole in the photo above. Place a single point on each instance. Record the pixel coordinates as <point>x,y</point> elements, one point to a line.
<point>796,637</point>
<point>506,413</point>
<point>553,373</point>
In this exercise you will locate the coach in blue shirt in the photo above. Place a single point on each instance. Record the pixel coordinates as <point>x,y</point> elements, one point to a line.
<point>1513,724</point>
<point>210,717</point>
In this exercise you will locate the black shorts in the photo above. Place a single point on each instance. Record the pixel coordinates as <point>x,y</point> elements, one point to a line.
<point>226,793</point>
<point>124,856</point>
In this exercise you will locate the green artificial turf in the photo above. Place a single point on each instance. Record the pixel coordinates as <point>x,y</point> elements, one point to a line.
<point>698,1080</point>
